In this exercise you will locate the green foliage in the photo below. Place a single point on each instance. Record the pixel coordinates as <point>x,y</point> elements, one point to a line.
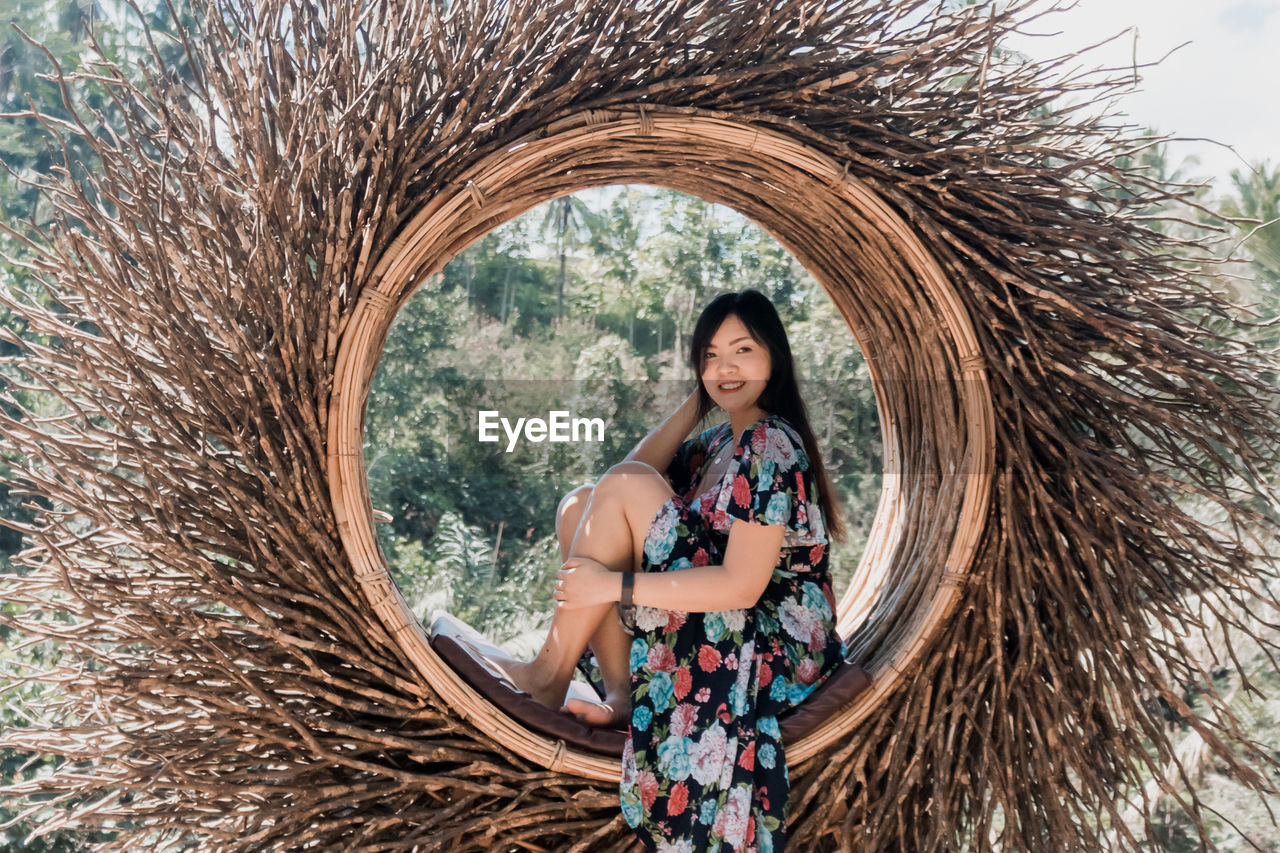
<point>473,524</point>
<point>1254,208</point>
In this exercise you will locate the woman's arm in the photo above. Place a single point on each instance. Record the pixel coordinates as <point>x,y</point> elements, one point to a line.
<point>749,559</point>
<point>659,446</point>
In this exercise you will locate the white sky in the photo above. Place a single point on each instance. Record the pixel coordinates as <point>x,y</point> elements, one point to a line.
<point>1224,85</point>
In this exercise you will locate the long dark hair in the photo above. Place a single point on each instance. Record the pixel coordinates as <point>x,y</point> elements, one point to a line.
<point>781,395</point>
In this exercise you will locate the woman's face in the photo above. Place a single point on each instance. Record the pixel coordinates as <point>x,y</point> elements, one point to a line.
<point>735,368</point>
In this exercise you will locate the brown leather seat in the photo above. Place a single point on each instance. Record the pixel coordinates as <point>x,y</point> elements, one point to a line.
<point>451,637</point>
<point>446,631</point>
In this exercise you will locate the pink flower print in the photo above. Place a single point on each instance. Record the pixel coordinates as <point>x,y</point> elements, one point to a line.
<point>759,438</point>
<point>683,682</point>
<point>741,491</point>
<point>701,557</point>
<point>708,755</point>
<point>808,671</point>
<point>727,761</point>
<point>648,785</point>
<point>675,620</point>
<point>800,486</point>
<point>708,659</point>
<point>819,633</point>
<point>702,696</point>
<point>661,658</point>
<point>829,594</point>
<point>731,661</point>
<point>683,719</point>
<point>731,821</point>
<point>628,764</point>
<point>650,618</point>
<point>797,620</point>
<point>681,845</point>
<point>747,761</point>
<point>815,554</point>
<point>766,674</point>
<point>678,800</point>
<point>779,450</point>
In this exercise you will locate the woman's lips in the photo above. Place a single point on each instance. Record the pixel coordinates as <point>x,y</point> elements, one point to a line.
<point>730,387</point>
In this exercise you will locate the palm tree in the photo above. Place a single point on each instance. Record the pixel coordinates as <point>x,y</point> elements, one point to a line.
<point>572,224</point>
<point>1258,198</point>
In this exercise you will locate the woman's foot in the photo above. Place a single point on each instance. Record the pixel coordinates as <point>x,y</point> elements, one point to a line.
<point>612,712</point>
<point>528,677</point>
<point>522,676</point>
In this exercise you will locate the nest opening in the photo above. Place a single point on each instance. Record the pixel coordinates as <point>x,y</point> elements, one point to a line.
<point>936,414</point>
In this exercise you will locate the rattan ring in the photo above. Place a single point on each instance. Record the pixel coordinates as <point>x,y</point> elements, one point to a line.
<point>902,311</point>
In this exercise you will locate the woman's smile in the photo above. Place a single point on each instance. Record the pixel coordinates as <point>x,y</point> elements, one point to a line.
<point>735,371</point>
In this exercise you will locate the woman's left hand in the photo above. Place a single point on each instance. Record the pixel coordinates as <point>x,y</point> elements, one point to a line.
<point>582,582</point>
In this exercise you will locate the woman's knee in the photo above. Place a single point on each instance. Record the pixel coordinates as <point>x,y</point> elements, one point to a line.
<point>573,504</point>
<point>629,479</point>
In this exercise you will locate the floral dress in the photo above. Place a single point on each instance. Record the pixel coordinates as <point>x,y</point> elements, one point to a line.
<point>703,768</point>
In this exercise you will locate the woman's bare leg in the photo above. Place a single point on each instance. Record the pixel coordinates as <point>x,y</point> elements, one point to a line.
<point>611,531</point>
<point>610,643</point>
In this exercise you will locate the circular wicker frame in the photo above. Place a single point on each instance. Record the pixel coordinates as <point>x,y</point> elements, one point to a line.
<point>920,346</point>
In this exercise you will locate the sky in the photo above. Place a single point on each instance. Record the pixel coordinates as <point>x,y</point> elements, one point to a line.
<point>1224,84</point>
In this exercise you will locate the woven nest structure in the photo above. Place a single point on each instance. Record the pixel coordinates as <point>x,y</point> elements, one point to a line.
<point>1056,382</point>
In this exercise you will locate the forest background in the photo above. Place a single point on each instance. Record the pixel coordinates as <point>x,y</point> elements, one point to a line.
<point>584,305</point>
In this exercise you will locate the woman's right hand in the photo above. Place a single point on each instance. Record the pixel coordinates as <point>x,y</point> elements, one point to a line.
<point>582,582</point>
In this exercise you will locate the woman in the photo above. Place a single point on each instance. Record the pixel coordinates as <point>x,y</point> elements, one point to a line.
<point>725,561</point>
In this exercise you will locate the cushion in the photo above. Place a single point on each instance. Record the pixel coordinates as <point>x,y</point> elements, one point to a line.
<point>454,641</point>
<point>833,695</point>
<point>450,639</point>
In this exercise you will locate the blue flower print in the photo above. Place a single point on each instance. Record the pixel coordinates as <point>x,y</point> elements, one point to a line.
<point>769,725</point>
<point>714,625</point>
<point>708,814</point>
<point>662,534</point>
<point>811,596</point>
<point>738,697</point>
<point>639,653</point>
<point>765,475</point>
<point>778,689</point>
<point>765,623</point>
<point>673,757</point>
<point>641,717</point>
<point>767,756</point>
<point>660,691</point>
<point>631,811</point>
<point>779,509</point>
<point>797,692</point>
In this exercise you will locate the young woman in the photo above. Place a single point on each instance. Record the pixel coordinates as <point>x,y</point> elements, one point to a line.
<point>724,560</point>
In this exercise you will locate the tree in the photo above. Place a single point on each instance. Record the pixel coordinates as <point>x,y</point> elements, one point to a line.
<point>571,224</point>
